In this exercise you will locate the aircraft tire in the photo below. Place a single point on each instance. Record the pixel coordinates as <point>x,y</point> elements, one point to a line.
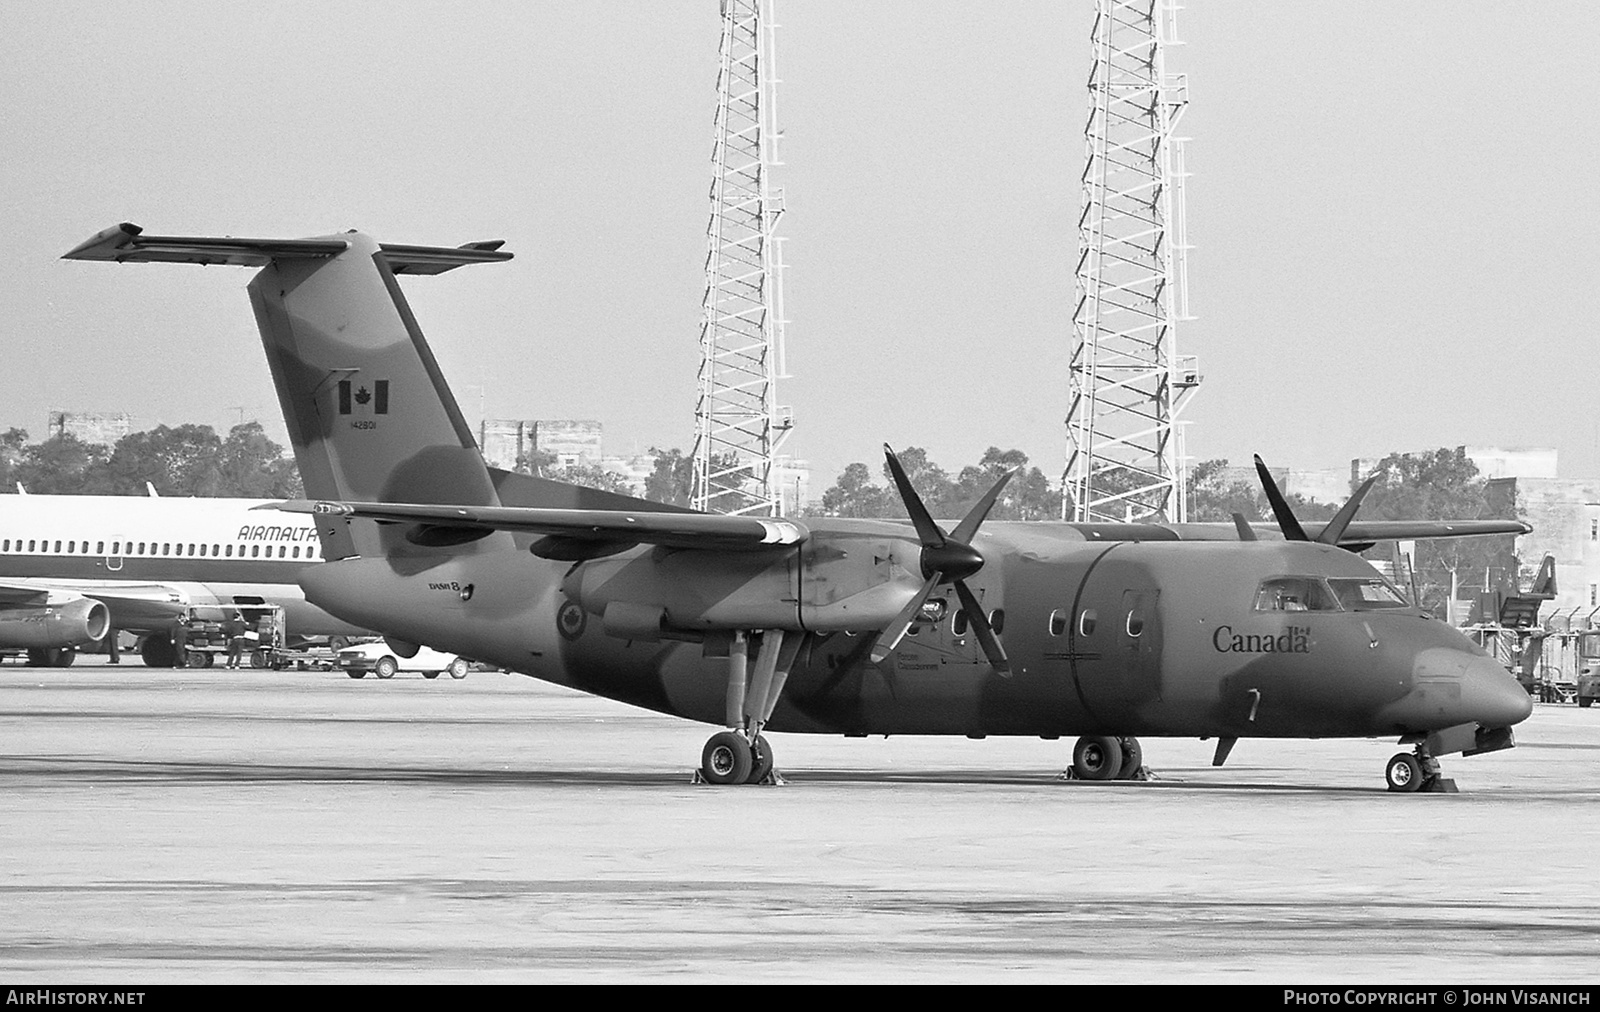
<point>1132,758</point>
<point>1585,701</point>
<point>356,674</point>
<point>760,760</point>
<point>157,651</point>
<point>726,759</point>
<point>37,658</point>
<point>430,674</point>
<point>1404,773</point>
<point>1097,757</point>
<point>386,667</point>
<point>459,667</point>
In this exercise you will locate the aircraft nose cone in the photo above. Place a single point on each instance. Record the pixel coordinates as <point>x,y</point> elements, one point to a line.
<point>1467,687</point>
<point>1492,696</point>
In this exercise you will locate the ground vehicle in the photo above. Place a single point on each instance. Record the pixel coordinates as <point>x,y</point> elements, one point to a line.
<point>380,659</point>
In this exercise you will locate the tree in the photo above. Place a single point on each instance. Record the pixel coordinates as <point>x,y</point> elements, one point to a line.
<point>854,495</point>
<point>1444,485</point>
<point>62,465</point>
<point>591,476</point>
<point>252,466</point>
<point>672,480</point>
<point>12,442</point>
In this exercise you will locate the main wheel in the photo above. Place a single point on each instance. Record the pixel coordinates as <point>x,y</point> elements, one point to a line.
<point>430,674</point>
<point>1404,773</point>
<point>459,667</point>
<point>356,674</point>
<point>726,759</point>
<point>386,667</point>
<point>37,658</point>
<point>157,651</point>
<point>760,760</point>
<point>1132,758</point>
<point>1585,701</point>
<point>1097,757</point>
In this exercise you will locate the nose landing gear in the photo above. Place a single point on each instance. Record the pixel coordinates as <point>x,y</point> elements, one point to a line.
<point>1416,772</point>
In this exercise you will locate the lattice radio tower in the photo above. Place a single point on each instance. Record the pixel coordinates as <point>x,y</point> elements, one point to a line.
<point>738,424</point>
<point>1128,385</point>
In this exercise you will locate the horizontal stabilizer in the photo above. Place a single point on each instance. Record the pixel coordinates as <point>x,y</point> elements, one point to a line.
<point>127,243</point>
<point>693,531</point>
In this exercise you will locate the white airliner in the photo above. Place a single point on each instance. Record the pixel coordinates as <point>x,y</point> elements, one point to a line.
<point>73,567</point>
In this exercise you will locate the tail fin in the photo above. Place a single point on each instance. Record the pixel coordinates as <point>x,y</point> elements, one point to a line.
<point>369,414</point>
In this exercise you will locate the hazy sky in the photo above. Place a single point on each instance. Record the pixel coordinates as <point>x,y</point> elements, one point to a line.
<point>1393,208</point>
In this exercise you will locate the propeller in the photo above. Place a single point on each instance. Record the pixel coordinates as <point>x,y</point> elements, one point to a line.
<point>946,558</point>
<point>1331,532</point>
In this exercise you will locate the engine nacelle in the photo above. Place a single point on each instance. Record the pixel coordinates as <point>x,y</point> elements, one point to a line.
<point>69,622</point>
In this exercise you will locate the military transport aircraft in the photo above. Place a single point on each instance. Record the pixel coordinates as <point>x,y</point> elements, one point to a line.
<point>838,626</point>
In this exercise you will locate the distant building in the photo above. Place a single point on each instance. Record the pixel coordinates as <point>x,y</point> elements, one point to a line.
<point>103,427</point>
<point>507,441</point>
<point>1565,516</point>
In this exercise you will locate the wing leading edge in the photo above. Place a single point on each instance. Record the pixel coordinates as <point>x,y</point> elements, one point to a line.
<point>572,533</point>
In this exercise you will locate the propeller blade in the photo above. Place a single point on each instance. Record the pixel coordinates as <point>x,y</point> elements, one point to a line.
<point>896,630</point>
<point>1292,531</point>
<point>1246,532</point>
<point>1334,530</point>
<point>928,532</point>
<point>968,527</point>
<point>980,628</point>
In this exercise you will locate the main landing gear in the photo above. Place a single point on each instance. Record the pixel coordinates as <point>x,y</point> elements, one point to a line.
<point>741,755</point>
<point>1106,757</point>
<point>1413,772</point>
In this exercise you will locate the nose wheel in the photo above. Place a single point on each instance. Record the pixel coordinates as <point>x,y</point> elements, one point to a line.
<point>1416,772</point>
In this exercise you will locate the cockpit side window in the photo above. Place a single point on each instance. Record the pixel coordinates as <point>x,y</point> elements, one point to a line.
<point>1367,593</point>
<point>1295,593</point>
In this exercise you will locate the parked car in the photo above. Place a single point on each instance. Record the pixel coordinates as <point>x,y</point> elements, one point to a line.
<point>380,659</point>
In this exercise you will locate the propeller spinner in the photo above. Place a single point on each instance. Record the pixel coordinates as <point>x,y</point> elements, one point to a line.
<point>946,558</point>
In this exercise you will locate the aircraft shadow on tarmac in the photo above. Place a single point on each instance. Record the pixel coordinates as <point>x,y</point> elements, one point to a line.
<point>74,768</point>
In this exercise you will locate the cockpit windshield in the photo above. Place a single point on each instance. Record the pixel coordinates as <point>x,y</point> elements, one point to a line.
<point>1295,593</point>
<point>1338,593</point>
<point>1367,593</point>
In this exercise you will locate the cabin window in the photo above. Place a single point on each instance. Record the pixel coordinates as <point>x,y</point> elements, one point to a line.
<point>202,551</point>
<point>166,549</point>
<point>997,621</point>
<point>116,548</point>
<point>1295,593</point>
<point>58,548</point>
<point>72,546</point>
<point>1086,622</point>
<point>30,544</point>
<point>283,551</point>
<point>255,551</point>
<point>1372,593</point>
<point>99,548</point>
<point>958,625</point>
<point>1058,622</point>
<point>216,549</point>
<point>1135,624</point>
<point>297,551</point>
<point>230,551</point>
<point>6,546</point>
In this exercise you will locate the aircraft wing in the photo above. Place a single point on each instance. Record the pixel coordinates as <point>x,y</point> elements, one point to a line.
<point>1419,530</point>
<point>567,530</point>
<point>132,605</point>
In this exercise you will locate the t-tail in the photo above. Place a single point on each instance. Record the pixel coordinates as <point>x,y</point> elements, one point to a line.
<point>369,414</point>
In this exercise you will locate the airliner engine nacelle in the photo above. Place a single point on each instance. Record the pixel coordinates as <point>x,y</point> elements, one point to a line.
<point>64,622</point>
